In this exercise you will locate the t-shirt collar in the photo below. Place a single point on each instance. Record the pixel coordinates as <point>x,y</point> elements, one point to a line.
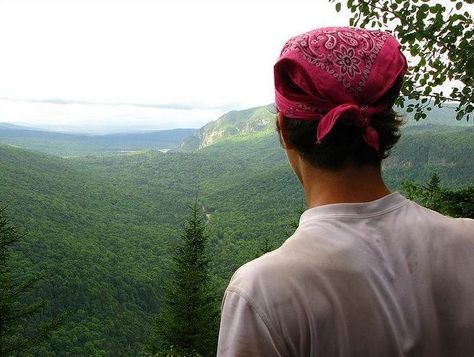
<point>356,210</point>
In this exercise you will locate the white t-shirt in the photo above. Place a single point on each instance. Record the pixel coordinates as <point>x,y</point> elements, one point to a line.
<point>383,278</point>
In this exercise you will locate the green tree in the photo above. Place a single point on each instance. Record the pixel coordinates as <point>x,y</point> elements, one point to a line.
<point>455,203</point>
<point>14,287</point>
<point>187,322</point>
<point>439,39</point>
<point>265,246</point>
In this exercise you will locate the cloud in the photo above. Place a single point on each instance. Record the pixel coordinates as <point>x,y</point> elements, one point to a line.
<point>100,118</point>
<point>167,68</point>
<point>176,106</point>
<point>164,58</point>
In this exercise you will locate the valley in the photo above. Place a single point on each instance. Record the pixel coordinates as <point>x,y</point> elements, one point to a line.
<point>101,226</point>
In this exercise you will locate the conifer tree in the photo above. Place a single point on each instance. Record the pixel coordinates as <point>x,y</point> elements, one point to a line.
<point>264,247</point>
<point>13,288</point>
<point>187,322</point>
<point>455,203</point>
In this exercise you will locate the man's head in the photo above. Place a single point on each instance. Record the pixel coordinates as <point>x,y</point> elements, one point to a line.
<point>334,92</point>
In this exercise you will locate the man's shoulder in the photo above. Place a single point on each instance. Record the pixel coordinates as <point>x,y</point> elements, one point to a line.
<point>445,227</point>
<point>263,269</point>
<point>301,258</point>
<point>267,272</point>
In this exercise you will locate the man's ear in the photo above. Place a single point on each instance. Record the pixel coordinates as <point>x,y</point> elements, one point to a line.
<point>282,132</point>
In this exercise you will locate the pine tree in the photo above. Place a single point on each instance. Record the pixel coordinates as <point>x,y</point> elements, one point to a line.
<point>455,203</point>
<point>264,247</point>
<point>187,322</point>
<point>13,288</point>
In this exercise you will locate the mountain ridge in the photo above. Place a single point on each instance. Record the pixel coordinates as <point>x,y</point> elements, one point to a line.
<point>261,118</point>
<point>236,122</point>
<point>67,144</point>
<point>232,124</point>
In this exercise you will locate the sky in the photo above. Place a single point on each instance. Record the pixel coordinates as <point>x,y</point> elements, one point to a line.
<point>103,66</point>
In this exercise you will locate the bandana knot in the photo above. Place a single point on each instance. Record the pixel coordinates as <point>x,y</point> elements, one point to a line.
<point>361,116</point>
<point>363,120</point>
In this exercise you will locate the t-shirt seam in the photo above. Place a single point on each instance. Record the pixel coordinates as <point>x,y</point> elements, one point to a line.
<point>259,312</point>
<point>330,216</point>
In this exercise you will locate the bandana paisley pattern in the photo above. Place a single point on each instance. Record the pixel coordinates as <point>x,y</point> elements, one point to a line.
<point>346,54</point>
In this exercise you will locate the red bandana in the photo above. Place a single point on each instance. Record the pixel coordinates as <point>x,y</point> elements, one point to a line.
<point>330,72</point>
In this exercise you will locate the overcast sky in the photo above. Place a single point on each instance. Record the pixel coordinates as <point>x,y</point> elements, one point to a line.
<point>115,65</point>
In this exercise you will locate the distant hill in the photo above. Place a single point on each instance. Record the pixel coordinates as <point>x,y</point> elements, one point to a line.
<point>231,124</point>
<point>62,144</point>
<point>8,126</point>
<point>445,115</point>
<point>258,119</point>
<point>236,122</point>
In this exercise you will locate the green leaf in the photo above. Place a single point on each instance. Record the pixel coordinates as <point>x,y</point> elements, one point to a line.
<point>459,5</point>
<point>338,7</point>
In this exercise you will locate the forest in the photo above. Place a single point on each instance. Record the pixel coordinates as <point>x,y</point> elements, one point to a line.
<point>99,231</point>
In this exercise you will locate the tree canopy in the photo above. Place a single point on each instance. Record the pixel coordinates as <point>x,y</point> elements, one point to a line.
<point>15,337</point>
<point>438,41</point>
<point>103,231</point>
<point>455,203</point>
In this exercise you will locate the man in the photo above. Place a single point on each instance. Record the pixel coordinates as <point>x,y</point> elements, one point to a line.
<point>367,272</point>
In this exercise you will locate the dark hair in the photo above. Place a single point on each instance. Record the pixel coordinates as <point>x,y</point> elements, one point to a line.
<point>345,144</point>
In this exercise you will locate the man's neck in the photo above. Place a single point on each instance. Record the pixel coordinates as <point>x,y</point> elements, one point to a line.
<point>352,184</point>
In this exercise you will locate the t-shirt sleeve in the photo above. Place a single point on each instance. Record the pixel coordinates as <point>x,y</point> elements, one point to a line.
<point>243,330</point>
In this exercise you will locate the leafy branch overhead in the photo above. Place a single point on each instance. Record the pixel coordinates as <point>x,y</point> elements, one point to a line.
<point>439,43</point>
